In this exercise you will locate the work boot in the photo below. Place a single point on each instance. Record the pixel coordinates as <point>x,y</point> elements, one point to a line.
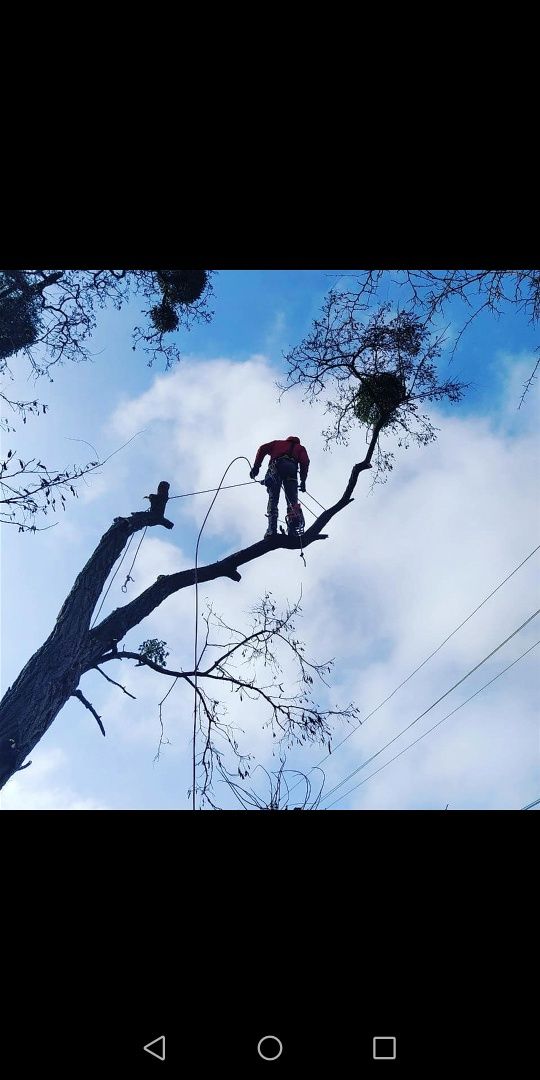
<point>270,532</point>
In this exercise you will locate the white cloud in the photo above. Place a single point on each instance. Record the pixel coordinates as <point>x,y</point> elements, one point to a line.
<point>276,332</point>
<point>42,787</point>
<point>402,566</point>
<point>515,370</point>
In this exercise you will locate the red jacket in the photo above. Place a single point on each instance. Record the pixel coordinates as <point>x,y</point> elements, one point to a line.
<point>278,447</point>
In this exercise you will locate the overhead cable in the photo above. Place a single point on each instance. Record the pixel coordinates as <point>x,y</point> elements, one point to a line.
<point>439,699</point>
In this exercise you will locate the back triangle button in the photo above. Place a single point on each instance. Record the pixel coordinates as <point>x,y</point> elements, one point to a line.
<point>156,1048</point>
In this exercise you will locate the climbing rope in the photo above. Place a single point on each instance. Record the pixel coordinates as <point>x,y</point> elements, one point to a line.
<point>247,483</point>
<point>300,531</point>
<point>312,512</point>
<point>112,579</point>
<point>129,578</point>
<point>197,658</point>
<point>315,501</point>
<point>204,491</point>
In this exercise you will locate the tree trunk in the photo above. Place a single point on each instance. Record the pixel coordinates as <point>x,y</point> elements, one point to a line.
<point>52,674</point>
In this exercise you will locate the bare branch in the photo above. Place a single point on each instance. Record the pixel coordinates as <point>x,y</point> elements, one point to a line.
<point>427,293</point>
<point>78,694</point>
<point>380,370</point>
<point>57,310</point>
<point>47,317</point>
<point>113,681</point>
<point>529,382</point>
<point>278,797</point>
<point>119,622</point>
<point>41,497</point>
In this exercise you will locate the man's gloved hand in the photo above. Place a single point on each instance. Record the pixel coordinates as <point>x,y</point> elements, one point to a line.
<point>253,473</point>
<point>303,485</point>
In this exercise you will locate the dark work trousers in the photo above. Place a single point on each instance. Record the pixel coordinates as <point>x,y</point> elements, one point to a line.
<point>283,471</point>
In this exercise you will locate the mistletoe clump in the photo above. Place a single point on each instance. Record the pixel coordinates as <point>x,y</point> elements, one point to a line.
<point>381,370</point>
<point>164,317</point>
<point>178,288</point>
<point>182,286</point>
<point>154,650</point>
<point>19,323</point>
<point>379,396</point>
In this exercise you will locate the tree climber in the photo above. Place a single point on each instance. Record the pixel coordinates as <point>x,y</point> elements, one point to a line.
<point>285,457</point>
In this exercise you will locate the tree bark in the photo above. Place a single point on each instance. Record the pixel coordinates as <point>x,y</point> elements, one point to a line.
<point>52,675</point>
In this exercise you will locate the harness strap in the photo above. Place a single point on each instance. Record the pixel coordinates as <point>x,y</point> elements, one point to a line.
<point>288,453</point>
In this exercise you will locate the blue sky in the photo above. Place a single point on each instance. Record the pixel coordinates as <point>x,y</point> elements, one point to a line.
<point>402,566</point>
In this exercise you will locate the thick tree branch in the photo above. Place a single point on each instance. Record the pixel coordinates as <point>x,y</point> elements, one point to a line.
<point>79,605</point>
<point>188,675</point>
<point>52,674</point>
<point>119,622</point>
<point>143,661</point>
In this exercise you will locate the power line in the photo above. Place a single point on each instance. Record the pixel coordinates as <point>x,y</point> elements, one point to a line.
<point>431,655</point>
<point>426,711</point>
<point>531,804</point>
<point>429,730</point>
<point>249,483</point>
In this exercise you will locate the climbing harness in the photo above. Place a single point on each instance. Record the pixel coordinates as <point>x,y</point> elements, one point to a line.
<point>279,471</point>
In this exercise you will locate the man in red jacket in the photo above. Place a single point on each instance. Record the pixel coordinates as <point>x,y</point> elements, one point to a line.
<point>285,457</point>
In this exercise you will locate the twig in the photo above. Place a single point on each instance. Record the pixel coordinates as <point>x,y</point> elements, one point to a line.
<point>115,683</point>
<point>528,384</point>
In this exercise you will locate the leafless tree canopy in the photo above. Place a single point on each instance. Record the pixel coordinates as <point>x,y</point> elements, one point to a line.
<point>46,318</point>
<point>49,315</point>
<point>427,293</point>
<point>277,792</point>
<point>249,664</point>
<point>379,373</point>
<point>29,488</point>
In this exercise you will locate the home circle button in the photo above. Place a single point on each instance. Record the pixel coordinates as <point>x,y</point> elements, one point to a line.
<point>270,1048</point>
